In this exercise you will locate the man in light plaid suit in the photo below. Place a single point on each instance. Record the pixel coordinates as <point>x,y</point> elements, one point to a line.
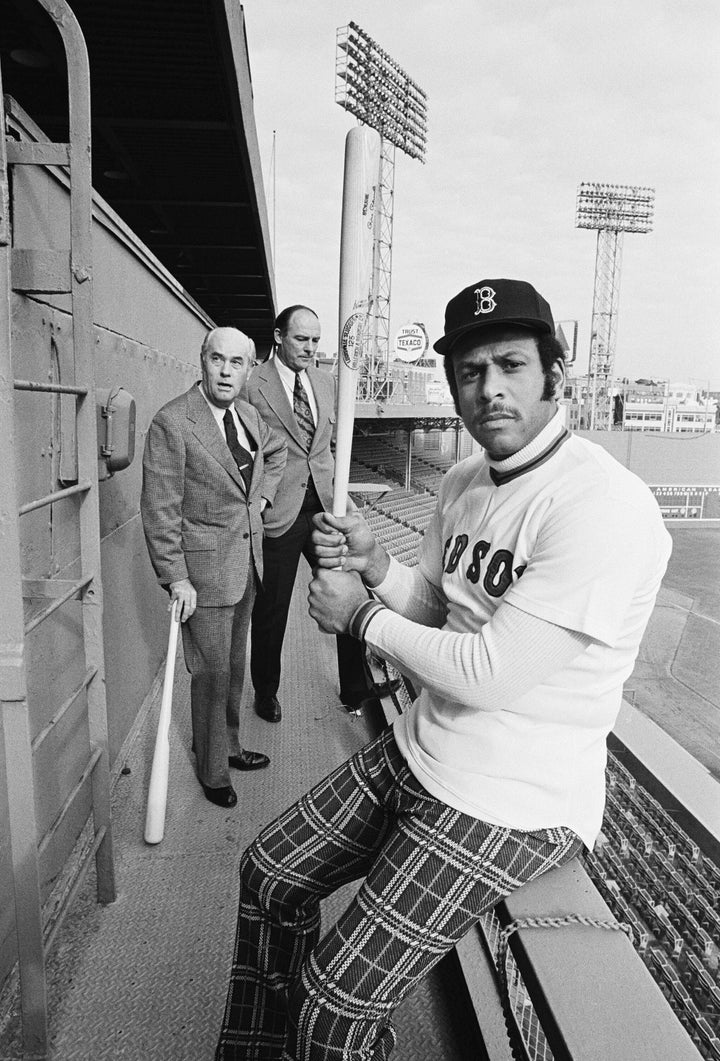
<point>210,467</point>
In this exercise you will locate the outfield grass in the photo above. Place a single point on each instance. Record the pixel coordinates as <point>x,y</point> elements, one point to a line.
<point>676,680</point>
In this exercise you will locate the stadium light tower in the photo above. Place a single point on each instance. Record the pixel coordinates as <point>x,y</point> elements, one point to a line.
<point>371,86</point>
<point>612,209</point>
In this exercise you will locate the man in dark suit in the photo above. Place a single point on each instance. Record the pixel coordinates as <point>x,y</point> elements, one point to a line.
<point>298,401</point>
<point>210,468</point>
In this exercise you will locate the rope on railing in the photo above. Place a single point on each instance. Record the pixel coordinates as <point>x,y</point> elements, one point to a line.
<point>517,1042</point>
<point>558,922</point>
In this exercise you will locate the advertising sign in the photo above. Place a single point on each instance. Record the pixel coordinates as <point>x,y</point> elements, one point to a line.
<point>411,342</point>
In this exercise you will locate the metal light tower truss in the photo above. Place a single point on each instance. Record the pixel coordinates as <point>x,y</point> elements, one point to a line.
<point>603,332</point>
<point>371,86</point>
<point>612,209</point>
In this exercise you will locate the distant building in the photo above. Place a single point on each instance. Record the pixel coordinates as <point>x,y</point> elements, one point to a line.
<point>663,406</point>
<point>572,402</point>
<point>647,405</point>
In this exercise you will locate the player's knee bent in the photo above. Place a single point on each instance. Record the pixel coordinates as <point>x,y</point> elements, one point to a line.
<point>278,898</point>
<point>252,877</point>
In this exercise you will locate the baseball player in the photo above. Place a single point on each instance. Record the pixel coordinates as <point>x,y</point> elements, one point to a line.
<point>537,577</point>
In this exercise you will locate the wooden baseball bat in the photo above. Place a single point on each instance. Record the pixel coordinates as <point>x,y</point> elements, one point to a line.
<point>158,788</point>
<point>360,193</point>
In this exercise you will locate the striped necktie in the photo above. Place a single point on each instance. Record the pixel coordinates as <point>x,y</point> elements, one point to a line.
<point>303,413</point>
<point>243,457</point>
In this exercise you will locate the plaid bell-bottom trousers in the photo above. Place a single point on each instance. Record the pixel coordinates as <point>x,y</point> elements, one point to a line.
<point>429,872</point>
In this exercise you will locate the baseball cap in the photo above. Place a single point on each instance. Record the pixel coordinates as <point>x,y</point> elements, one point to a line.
<point>494,302</point>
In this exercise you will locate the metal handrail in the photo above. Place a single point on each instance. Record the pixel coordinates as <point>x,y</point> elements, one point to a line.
<point>37,741</point>
<point>92,763</point>
<point>51,388</point>
<point>75,588</point>
<point>57,495</point>
<point>16,720</point>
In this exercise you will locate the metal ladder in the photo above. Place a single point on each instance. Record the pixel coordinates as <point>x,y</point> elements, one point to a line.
<point>51,271</point>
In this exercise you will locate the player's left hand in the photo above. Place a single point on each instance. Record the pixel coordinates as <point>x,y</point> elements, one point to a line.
<point>333,598</point>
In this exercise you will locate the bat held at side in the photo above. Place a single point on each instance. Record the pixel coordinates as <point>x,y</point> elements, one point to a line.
<point>159,774</point>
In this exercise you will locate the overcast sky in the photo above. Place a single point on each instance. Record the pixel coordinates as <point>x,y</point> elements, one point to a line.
<point>526,99</point>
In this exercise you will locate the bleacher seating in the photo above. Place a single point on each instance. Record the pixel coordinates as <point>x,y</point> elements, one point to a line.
<point>388,459</point>
<point>655,879</point>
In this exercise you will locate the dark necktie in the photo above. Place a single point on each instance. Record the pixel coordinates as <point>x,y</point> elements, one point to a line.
<point>243,458</point>
<point>303,413</point>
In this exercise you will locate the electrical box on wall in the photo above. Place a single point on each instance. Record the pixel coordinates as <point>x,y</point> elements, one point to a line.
<point>116,429</point>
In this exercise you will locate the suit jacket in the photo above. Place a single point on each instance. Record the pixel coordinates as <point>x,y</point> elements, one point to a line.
<point>266,392</point>
<point>199,521</point>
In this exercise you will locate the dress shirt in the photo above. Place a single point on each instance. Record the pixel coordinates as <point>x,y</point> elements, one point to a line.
<point>218,413</point>
<point>287,378</point>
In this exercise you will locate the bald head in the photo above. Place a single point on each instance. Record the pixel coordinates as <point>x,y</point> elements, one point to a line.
<point>225,336</point>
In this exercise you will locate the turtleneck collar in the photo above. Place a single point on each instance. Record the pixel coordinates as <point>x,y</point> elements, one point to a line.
<point>539,450</point>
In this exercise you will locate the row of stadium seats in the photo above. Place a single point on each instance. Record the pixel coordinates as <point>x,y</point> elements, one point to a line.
<point>399,540</point>
<point>656,880</point>
<point>696,1007</point>
<point>388,459</point>
<point>633,795</point>
<point>695,1021</point>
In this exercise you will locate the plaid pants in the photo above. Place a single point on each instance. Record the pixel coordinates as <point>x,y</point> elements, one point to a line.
<point>429,870</point>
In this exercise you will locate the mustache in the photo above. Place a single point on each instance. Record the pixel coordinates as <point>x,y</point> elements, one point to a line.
<point>497,410</point>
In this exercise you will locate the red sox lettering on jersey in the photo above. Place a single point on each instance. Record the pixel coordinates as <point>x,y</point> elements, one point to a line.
<point>498,572</point>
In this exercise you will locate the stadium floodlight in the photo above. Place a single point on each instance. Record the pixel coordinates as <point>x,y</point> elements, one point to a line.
<point>373,87</point>
<point>377,91</point>
<point>617,207</point>
<point>612,210</point>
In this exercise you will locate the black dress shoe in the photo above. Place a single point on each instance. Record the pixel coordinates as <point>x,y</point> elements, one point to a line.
<point>268,707</point>
<point>221,797</point>
<point>249,760</point>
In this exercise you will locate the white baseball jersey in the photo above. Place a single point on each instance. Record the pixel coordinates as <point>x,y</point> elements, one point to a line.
<point>562,532</point>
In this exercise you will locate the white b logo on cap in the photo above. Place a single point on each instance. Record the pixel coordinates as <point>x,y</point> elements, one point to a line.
<point>485,299</point>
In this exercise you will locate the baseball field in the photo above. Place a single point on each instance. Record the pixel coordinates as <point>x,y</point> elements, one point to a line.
<point>676,680</point>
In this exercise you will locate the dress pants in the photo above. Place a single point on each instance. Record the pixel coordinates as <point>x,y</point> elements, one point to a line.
<point>214,643</point>
<point>429,873</point>
<point>281,557</point>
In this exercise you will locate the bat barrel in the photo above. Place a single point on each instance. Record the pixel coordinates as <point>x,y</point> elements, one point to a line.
<point>159,773</point>
<point>157,795</point>
<point>360,191</point>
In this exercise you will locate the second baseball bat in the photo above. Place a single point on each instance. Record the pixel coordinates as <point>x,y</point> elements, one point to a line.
<point>159,774</point>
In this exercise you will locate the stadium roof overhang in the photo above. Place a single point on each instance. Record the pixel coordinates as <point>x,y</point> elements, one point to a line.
<point>175,148</point>
<point>381,418</point>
